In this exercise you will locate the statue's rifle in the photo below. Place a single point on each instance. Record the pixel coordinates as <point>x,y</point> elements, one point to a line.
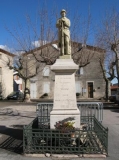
<point>62,41</point>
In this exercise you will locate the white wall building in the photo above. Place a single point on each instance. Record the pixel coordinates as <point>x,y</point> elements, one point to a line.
<point>6,75</point>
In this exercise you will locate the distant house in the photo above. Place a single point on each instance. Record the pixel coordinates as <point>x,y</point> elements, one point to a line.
<point>114,89</point>
<point>89,79</point>
<point>17,82</point>
<point>6,75</point>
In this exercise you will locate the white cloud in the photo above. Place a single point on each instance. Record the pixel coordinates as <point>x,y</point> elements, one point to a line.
<point>11,50</point>
<point>39,43</point>
<point>18,52</point>
<point>36,44</point>
<point>5,47</point>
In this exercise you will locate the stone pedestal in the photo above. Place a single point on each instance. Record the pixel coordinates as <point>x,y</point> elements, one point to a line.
<point>65,104</point>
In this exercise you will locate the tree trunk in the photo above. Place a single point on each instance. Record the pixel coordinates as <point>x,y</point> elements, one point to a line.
<point>26,91</point>
<point>117,69</point>
<point>107,89</point>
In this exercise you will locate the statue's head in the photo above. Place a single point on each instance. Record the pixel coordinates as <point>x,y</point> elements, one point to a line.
<point>63,12</point>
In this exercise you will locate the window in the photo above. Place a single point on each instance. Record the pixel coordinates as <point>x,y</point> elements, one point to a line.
<point>0,70</point>
<point>79,71</point>
<point>46,72</point>
<point>78,86</point>
<point>46,87</point>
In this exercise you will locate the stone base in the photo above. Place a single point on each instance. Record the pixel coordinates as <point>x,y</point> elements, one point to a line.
<point>59,115</point>
<point>65,57</point>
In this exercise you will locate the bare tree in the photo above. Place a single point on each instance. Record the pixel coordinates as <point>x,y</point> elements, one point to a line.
<point>30,40</point>
<point>108,38</point>
<point>81,54</point>
<point>26,69</point>
<point>108,71</point>
<point>44,31</point>
<point>37,39</point>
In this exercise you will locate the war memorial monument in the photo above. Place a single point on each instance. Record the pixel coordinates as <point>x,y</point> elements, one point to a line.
<point>60,127</point>
<point>64,105</point>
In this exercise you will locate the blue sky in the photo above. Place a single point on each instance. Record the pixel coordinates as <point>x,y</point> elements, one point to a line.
<point>14,11</point>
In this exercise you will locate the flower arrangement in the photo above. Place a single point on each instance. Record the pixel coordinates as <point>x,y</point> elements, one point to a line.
<point>65,125</point>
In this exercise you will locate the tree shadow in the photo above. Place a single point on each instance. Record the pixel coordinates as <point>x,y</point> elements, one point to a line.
<point>114,110</point>
<point>10,112</point>
<point>12,139</point>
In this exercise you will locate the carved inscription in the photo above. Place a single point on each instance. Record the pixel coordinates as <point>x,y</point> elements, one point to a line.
<point>65,95</point>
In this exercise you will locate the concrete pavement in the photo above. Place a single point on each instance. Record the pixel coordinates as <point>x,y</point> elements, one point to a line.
<point>14,116</point>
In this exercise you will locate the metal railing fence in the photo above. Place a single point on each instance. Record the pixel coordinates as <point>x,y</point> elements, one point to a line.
<point>86,109</point>
<point>91,140</point>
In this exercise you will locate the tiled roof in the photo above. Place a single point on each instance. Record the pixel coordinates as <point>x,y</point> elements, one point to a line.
<point>114,87</point>
<point>6,52</point>
<point>74,43</point>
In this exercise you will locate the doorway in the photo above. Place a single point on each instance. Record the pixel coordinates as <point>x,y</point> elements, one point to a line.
<point>90,89</point>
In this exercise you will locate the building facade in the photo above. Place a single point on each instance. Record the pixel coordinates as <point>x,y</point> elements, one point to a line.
<point>89,78</point>
<point>6,75</point>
